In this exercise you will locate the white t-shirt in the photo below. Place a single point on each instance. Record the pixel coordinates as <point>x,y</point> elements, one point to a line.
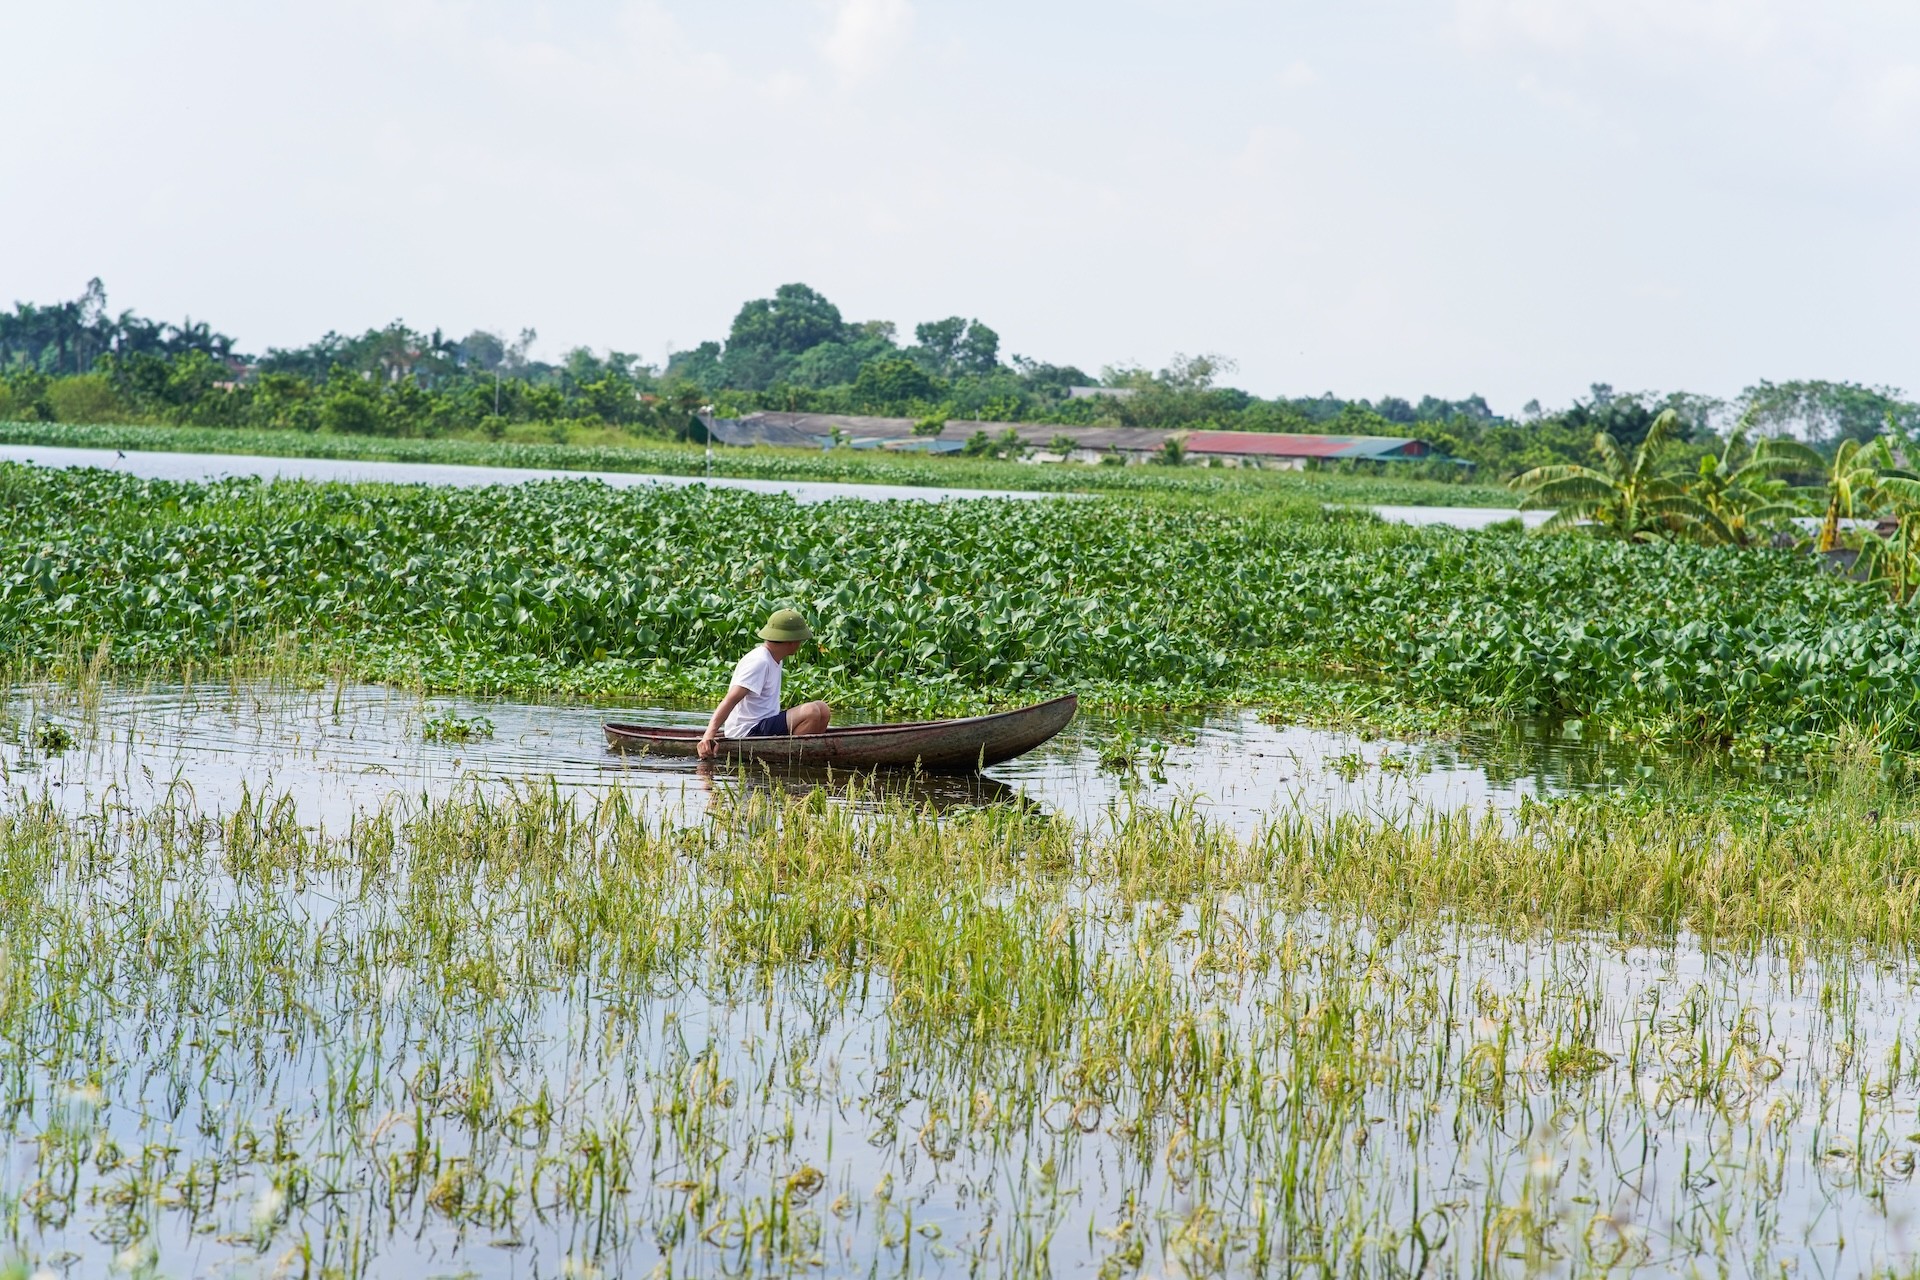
<point>758,672</point>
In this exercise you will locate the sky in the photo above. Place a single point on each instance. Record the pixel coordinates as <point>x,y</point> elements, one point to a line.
<point>1515,198</point>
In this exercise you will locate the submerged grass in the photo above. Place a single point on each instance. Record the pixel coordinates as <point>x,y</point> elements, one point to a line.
<point>795,1039</point>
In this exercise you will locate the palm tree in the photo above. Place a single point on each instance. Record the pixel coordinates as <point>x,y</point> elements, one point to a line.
<point>1853,481</point>
<point>1623,493</point>
<point>1743,496</point>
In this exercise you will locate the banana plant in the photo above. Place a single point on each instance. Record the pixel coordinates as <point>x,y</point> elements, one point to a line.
<point>1893,561</point>
<point>1624,494</point>
<point>1853,483</point>
<point>1743,489</point>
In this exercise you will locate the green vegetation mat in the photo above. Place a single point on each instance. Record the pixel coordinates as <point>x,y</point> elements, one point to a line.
<point>839,465</point>
<point>572,587</point>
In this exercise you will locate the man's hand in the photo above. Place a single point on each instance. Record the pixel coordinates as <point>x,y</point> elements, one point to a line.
<point>710,740</point>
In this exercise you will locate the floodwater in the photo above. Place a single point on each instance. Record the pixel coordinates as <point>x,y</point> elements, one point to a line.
<point>873,1136</point>
<point>1461,517</point>
<point>346,747</point>
<point>214,466</point>
<point>340,748</point>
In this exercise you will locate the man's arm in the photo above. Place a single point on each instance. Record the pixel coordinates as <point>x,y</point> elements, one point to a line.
<point>720,714</point>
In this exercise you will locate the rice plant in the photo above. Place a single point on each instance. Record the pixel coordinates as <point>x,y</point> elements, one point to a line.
<point>796,1037</point>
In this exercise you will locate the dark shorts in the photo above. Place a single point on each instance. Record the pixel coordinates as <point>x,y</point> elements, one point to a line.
<point>773,726</point>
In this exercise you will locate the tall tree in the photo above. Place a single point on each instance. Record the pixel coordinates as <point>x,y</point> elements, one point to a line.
<point>894,384</point>
<point>795,318</point>
<point>956,346</point>
<point>69,337</point>
<point>1825,413</point>
<point>482,350</point>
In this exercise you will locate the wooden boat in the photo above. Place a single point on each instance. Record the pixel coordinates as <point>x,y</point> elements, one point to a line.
<point>937,746</point>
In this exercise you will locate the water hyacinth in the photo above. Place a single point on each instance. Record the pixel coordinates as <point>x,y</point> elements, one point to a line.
<point>570,586</point>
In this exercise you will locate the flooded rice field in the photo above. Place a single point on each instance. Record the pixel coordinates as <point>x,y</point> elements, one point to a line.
<point>291,990</point>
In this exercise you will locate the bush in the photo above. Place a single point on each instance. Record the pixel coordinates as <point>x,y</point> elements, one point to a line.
<point>87,398</point>
<point>352,407</point>
<point>26,397</point>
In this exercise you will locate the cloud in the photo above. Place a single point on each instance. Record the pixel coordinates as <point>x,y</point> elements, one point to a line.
<point>865,35</point>
<point>1588,114</point>
<point>1835,84</point>
<point>1297,75</point>
<point>1269,152</point>
<point>1665,26</point>
<point>1886,105</point>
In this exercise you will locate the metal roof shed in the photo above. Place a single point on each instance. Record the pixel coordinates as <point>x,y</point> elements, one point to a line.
<point>1268,444</point>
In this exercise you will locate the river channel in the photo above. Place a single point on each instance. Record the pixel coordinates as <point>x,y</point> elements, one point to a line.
<point>214,466</point>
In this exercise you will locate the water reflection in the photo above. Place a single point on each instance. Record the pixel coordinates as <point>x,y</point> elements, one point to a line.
<point>344,747</point>
<point>869,792</point>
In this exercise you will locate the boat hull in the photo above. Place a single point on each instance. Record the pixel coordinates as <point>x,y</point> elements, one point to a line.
<point>936,746</point>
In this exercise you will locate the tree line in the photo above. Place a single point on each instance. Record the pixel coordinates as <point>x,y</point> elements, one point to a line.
<point>795,351</point>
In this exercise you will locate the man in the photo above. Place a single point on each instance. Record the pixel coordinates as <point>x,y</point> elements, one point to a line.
<point>751,708</point>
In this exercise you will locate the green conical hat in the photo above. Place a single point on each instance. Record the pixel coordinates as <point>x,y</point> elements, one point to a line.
<point>785,625</point>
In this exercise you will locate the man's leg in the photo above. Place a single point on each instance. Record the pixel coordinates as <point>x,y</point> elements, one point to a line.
<point>809,717</point>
